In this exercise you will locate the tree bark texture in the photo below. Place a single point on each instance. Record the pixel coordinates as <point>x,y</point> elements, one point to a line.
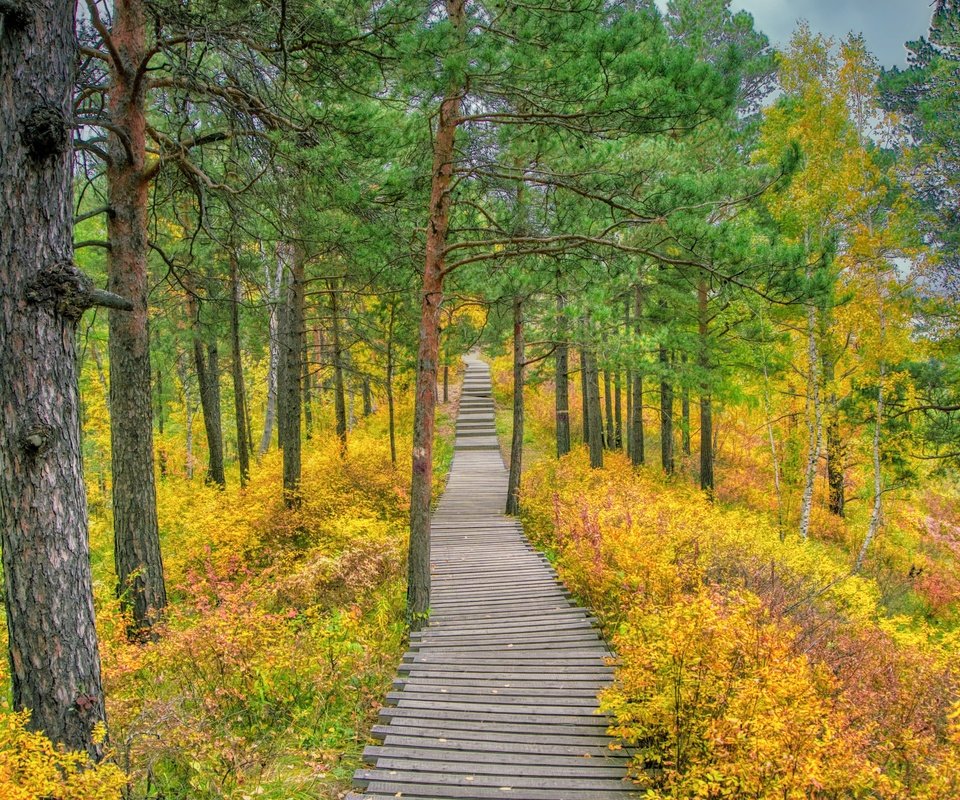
<point>608,409</point>
<point>48,596</point>
<point>813,423</point>
<point>236,372</point>
<point>562,385</point>
<point>516,443</point>
<point>617,411</point>
<point>585,395</point>
<point>305,381</point>
<point>136,532</point>
<point>431,297</point>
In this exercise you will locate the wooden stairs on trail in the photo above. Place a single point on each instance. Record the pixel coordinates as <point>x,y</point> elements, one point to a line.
<point>497,696</point>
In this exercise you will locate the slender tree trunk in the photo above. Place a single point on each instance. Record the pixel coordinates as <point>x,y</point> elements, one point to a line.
<point>685,419</point>
<point>446,383</point>
<point>206,364</point>
<point>706,401</point>
<point>236,371</point>
<point>836,451</point>
<point>288,385</point>
<point>391,417</point>
<point>444,156</point>
<point>48,596</point>
<point>161,451</point>
<point>876,513</point>
<point>189,411</point>
<point>594,411</point>
<point>617,411</point>
<point>516,444</point>
<point>814,419</point>
<point>774,457</point>
<point>814,414</point>
<point>666,415</point>
<point>136,533</point>
<point>585,394</point>
<point>367,396</point>
<point>305,385</point>
<point>562,383</point>
<point>339,400</point>
<point>274,288</point>
<point>608,409</point>
<point>638,453</point>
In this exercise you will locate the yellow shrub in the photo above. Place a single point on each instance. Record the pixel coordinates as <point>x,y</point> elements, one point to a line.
<point>33,768</point>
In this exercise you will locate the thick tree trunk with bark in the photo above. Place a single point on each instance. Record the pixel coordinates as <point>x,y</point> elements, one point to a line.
<point>339,398</point>
<point>236,372</point>
<point>288,383</point>
<point>516,443</point>
<point>48,596</point>
<point>666,416</point>
<point>706,401</point>
<point>136,533</point>
<point>444,155</point>
<point>562,383</point>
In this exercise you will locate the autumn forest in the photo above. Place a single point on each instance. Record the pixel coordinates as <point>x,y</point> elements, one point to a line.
<point>245,250</point>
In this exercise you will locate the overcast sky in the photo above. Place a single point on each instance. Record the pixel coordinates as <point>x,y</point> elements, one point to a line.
<point>885,24</point>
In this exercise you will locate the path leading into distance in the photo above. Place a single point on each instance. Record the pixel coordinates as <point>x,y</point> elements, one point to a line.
<point>497,697</point>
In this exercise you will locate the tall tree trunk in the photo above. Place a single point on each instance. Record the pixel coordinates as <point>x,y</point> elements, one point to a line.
<point>161,402</point>
<point>274,289</point>
<point>236,371</point>
<point>339,400</point>
<point>288,384</point>
<point>136,533</point>
<point>367,396</point>
<point>685,419</point>
<point>706,401</point>
<point>628,381</point>
<point>617,411</point>
<point>836,449</point>
<point>305,386</point>
<point>814,419</point>
<point>188,410</point>
<point>638,455</point>
<point>446,383</point>
<point>608,409</point>
<point>48,595</point>
<point>206,364</point>
<point>585,393</point>
<point>876,513</point>
<point>444,157</point>
<point>562,383</point>
<point>516,443</point>
<point>666,415</point>
<point>594,410</point>
<point>391,416</point>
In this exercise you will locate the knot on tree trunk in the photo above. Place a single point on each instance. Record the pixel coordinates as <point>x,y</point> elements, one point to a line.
<point>69,292</point>
<point>36,437</point>
<point>15,16</point>
<point>45,132</point>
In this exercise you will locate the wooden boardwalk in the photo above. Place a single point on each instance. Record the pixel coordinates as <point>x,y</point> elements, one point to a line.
<point>497,697</point>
